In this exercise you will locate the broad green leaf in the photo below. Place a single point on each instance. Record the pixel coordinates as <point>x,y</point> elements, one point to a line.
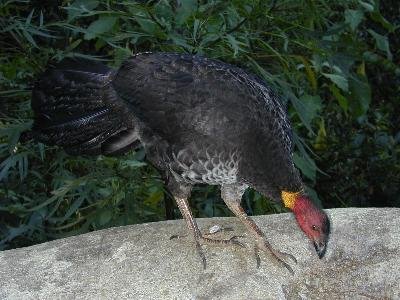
<point>311,107</point>
<point>71,210</point>
<point>147,25</point>
<point>343,102</point>
<point>41,19</point>
<point>382,43</point>
<point>209,37</point>
<point>29,18</point>
<point>369,6</point>
<point>353,18</point>
<point>81,6</point>
<point>180,41</point>
<point>360,94</point>
<point>121,54</point>
<point>14,232</point>
<point>104,192</point>
<point>370,56</point>
<point>339,80</point>
<point>372,6</point>
<point>235,44</point>
<point>104,217</point>
<point>100,26</point>
<point>163,10</point>
<point>308,168</point>
<point>196,26</point>
<point>20,160</point>
<point>377,17</point>
<point>29,37</point>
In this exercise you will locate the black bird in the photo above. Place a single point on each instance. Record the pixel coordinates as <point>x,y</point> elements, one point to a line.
<point>200,121</point>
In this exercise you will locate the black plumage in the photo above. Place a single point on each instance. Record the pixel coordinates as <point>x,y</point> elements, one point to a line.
<point>200,121</point>
<point>191,114</point>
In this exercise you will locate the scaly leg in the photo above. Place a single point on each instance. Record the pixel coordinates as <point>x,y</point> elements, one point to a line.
<point>183,205</point>
<point>232,195</point>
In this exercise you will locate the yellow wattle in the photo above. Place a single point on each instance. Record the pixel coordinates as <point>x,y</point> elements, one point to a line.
<point>289,198</point>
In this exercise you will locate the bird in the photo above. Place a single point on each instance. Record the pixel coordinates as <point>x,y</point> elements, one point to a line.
<point>199,120</point>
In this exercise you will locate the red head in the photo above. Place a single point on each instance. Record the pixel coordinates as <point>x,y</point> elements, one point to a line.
<point>312,220</point>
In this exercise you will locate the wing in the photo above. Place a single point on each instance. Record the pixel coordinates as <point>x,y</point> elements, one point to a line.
<point>183,96</point>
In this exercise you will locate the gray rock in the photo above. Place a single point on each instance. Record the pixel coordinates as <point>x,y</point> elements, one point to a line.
<point>141,262</point>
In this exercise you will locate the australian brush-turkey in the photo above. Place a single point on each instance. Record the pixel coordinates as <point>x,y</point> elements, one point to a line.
<point>199,120</point>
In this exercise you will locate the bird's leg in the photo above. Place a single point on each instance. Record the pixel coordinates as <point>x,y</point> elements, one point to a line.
<point>232,195</point>
<point>198,237</point>
<point>192,225</point>
<point>183,205</point>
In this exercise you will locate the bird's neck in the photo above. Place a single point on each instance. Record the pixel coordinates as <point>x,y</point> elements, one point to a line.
<point>290,198</point>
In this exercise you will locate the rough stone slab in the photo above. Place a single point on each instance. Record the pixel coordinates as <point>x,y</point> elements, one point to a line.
<point>141,262</point>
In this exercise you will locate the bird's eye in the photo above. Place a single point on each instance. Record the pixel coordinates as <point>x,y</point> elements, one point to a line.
<point>314,227</point>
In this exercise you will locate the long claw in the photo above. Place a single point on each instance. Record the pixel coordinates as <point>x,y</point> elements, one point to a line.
<point>286,265</point>
<point>238,243</point>
<point>234,241</point>
<point>278,255</point>
<point>201,254</point>
<point>294,259</point>
<point>199,239</point>
<point>258,259</point>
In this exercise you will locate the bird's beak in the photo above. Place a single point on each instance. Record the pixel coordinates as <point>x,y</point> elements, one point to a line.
<point>320,247</point>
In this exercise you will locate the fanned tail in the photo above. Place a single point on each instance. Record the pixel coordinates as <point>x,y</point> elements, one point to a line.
<point>77,108</point>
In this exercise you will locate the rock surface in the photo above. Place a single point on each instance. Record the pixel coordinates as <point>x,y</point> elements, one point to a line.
<point>141,262</point>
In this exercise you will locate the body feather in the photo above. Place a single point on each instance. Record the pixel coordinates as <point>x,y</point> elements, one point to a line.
<point>201,120</point>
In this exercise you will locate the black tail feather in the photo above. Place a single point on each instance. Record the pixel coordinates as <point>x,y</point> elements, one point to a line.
<point>77,108</point>
<point>121,142</point>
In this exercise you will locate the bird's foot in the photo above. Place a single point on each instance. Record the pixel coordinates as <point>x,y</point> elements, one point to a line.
<point>222,242</point>
<point>200,240</point>
<point>280,256</point>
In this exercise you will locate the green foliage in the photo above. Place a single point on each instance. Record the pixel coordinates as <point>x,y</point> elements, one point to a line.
<point>333,62</point>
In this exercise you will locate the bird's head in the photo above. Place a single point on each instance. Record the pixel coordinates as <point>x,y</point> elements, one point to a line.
<point>312,220</point>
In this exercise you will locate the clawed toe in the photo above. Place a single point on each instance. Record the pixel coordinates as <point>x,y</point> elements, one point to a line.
<point>282,255</point>
<point>201,254</point>
<point>201,239</point>
<point>290,256</point>
<point>232,241</point>
<point>278,255</point>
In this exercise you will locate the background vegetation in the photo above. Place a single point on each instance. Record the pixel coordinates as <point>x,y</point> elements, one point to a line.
<point>336,64</point>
